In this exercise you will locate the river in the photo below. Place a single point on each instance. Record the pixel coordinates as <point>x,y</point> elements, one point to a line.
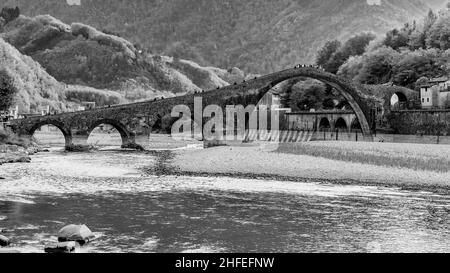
<point>130,210</point>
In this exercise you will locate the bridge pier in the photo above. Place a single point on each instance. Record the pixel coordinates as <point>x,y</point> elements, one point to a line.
<point>141,140</point>
<point>78,140</point>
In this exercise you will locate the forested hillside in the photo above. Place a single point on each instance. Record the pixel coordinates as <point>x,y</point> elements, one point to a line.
<point>78,54</point>
<point>258,36</point>
<point>404,56</point>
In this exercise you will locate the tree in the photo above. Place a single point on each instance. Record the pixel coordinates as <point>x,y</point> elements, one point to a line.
<point>351,68</point>
<point>285,96</point>
<point>397,39</point>
<point>312,94</point>
<point>405,55</point>
<point>439,34</point>
<point>307,95</point>
<point>357,44</point>
<point>336,61</point>
<point>377,66</point>
<point>429,21</point>
<point>9,14</point>
<point>415,64</point>
<point>421,81</point>
<point>418,37</point>
<point>447,103</point>
<point>2,24</point>
<point>7,90</point>
<point>417,40</point>
<point>354,46</point>
<point>327,51</point>
<point>405,77</point>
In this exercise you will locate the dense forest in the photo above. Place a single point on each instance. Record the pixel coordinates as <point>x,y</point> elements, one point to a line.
<point>405,57</point>
<point>408,56</point>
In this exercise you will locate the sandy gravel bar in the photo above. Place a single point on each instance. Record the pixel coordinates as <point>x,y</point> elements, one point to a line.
<point>264,160</point>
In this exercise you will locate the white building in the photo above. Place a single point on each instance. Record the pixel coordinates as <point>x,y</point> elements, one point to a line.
<point>426,96</point>
<point>45,111</point>
<point>436,94</point>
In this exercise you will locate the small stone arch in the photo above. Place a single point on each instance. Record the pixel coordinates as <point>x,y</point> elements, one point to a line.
<point>402,102</point>
<point>386,92</point>
<point>355,126</point>
<point>127,136</point>
<point>66,132</point>
<point>324,124</point>
<point>340,124</point>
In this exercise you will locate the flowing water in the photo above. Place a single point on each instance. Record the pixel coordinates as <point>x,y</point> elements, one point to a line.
<point>131,211</point>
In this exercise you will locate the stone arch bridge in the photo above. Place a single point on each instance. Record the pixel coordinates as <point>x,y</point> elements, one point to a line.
<point>127,118</point>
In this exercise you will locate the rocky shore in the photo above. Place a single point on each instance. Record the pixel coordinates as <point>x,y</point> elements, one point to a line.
<point>14,153</point>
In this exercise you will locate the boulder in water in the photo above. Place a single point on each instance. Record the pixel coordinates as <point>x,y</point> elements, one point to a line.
<point>64,247</point>
<point>78,233</point>
<point>4,241</point>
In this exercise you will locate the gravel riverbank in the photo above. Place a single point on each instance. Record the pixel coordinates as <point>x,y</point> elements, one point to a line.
<point>265,162</point>
<point>13,154</point>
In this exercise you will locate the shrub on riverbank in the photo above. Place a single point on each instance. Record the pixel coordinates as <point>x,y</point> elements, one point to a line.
<point>401,155</point>
<point>8,137</point>
<point>80,148</point>
<point>7,89</point>
<point>14,148</point>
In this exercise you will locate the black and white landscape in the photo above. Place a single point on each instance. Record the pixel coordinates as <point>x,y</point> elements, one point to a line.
<point>224,126</point>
